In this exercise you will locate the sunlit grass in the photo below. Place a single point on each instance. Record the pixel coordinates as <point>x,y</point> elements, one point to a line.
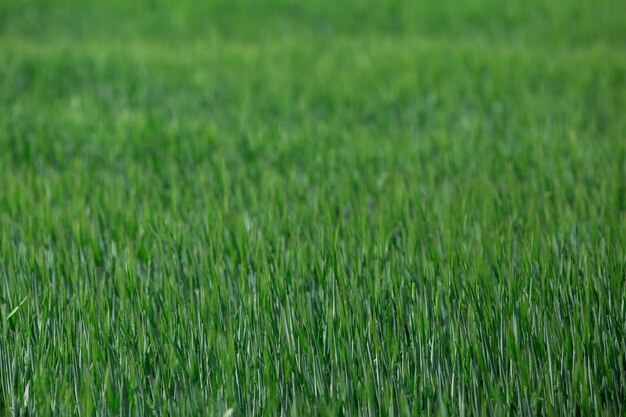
<point>306,217</point>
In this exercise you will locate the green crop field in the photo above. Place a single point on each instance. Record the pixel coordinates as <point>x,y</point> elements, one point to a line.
<point>324,207</point>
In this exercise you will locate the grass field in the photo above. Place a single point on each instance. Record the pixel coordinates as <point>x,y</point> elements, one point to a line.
<point>313,208</point>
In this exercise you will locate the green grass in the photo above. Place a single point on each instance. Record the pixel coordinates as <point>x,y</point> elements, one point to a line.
<point>325,208</point>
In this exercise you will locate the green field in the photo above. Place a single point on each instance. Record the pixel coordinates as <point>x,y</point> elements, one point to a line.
<point>331,208</point>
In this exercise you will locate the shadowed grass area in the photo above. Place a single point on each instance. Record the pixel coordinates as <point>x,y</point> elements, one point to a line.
<point>318,208</point>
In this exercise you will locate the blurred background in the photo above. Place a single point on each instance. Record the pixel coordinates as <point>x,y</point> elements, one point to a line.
<point>537,22</point>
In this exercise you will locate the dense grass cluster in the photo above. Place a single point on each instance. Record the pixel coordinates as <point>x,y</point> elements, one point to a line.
<point>325,208</point>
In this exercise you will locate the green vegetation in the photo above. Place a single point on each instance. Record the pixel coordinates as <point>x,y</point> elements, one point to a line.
<point>325,208</point>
